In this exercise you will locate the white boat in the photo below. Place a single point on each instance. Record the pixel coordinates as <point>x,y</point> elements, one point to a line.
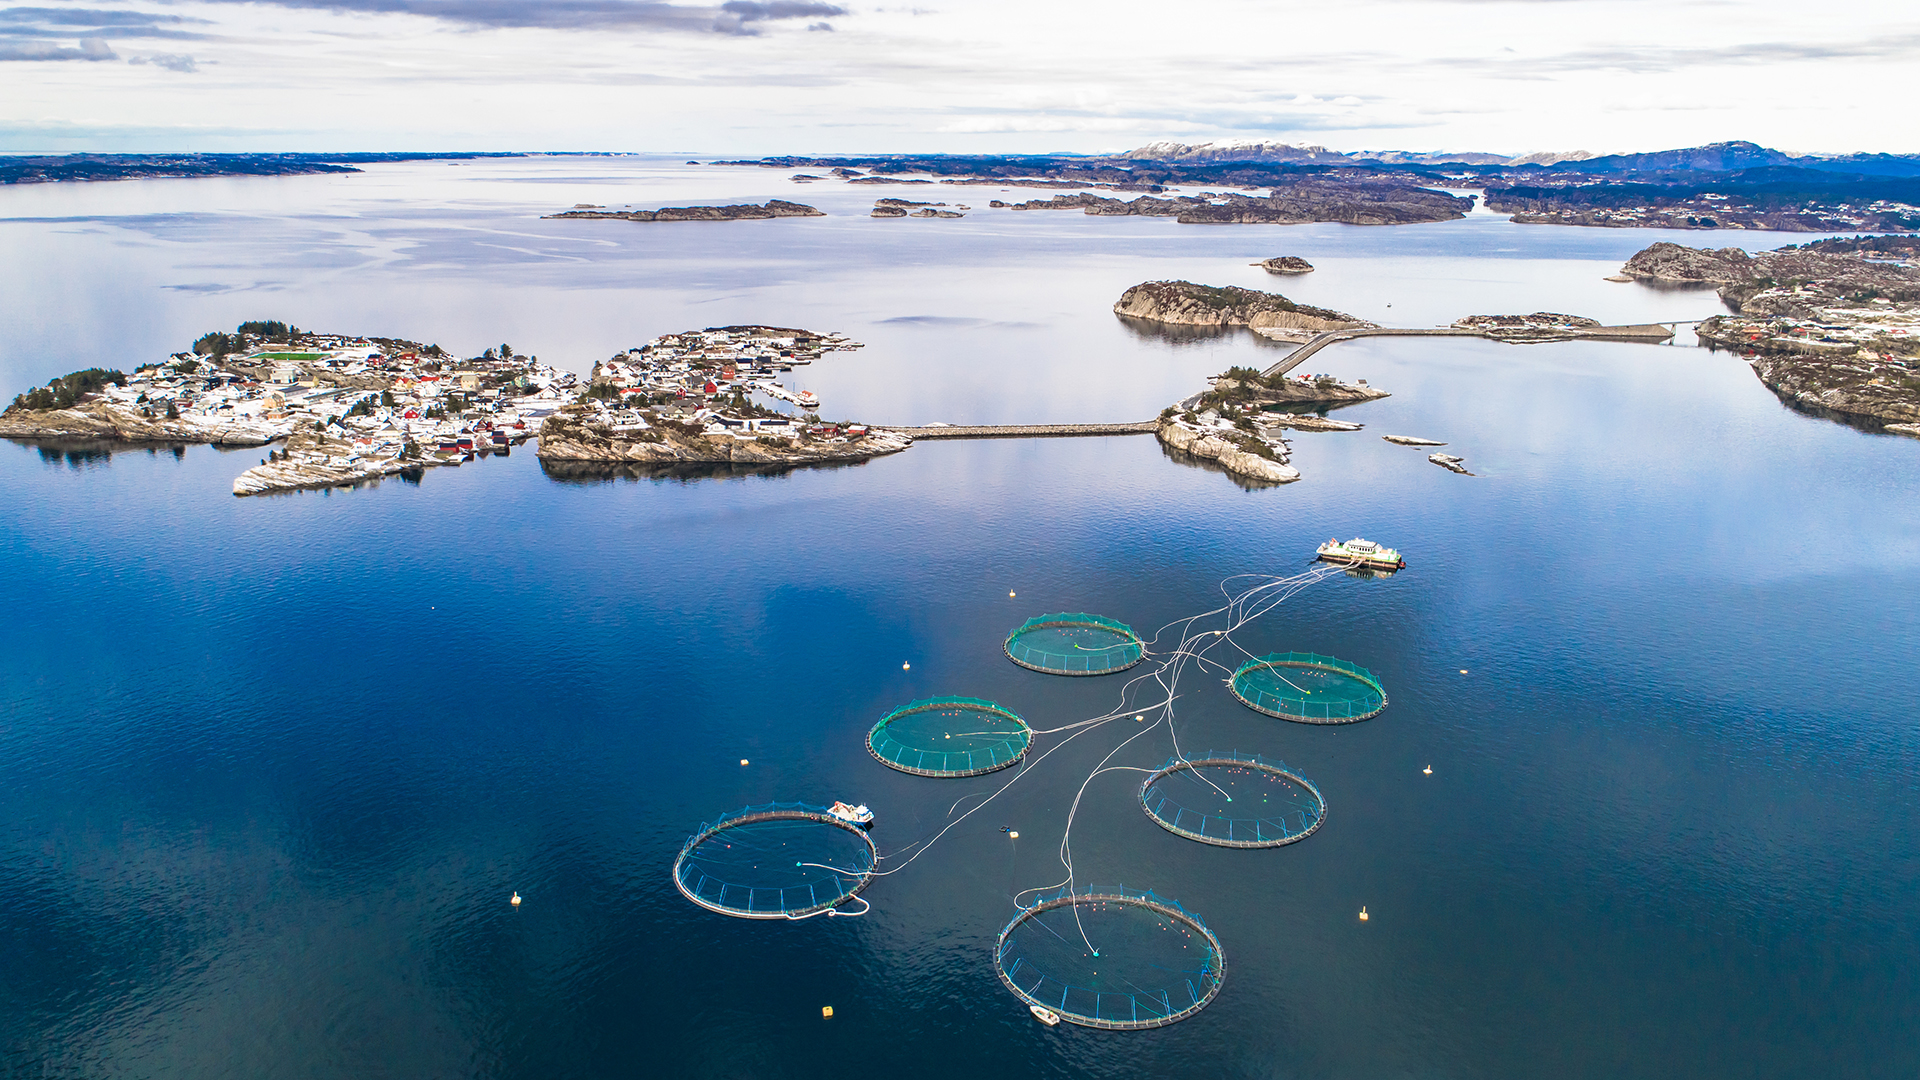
<point>1044,1015</point>
<point>808,398</point>
<point>852,815</point>
<point>1361,553</point>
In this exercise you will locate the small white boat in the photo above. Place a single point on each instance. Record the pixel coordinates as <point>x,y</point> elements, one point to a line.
<point>852,815</point>
<point>808,397</point>
<point>1044,1015</point>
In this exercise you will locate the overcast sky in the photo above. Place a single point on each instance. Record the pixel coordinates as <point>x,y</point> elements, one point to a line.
<point>816,76</point>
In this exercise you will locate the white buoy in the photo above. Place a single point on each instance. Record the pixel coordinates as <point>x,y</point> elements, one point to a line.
<point>904,666</point>
<point>1141,719</point>
<point>1428,770</point>
<point>1363,914</point>
<point>1011,835</point>
<point>1009,594</point>
<point>1463,671</point>
<point>743,761</point>
<point>515,901</point>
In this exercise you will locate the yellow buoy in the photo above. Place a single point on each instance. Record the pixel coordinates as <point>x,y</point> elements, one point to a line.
<point>1141,719</point>
<point>1463,671</point>
<point>1428,770</point>
<point>1363,914</point>
<point>1009,594</point>
<point>1011,835</point>
<point>743,761</point>
<point>906,666</point>
<point>515,901</point>
<point>826,1012</point>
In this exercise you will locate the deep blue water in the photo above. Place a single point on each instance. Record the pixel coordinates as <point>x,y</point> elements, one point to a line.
<point>270,768</point>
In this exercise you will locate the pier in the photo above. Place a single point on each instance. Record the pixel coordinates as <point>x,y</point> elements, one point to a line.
<point>1647,332</point>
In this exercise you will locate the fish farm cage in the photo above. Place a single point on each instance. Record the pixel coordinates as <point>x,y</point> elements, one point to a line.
<point>1230,799</point>
<point>949,736</point>
<point>778,861</point>
<point>1075,643</point>
<point>1308,688</point>
<point>1111,958</point>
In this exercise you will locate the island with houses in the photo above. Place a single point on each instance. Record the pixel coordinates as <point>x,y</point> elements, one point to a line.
<point>701,397</point>
<point>342,409</point>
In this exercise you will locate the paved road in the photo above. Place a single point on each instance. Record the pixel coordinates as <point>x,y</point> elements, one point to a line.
<point>1025,431</point>
<point>1638,332</point>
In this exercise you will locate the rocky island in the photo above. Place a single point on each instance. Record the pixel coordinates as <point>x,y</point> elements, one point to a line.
<point>688,398</point>
<point>1832,327</point>
<point>897,208</point>
<point>775,208</point>
<point>1183,303</point>
<point>1236,423</point>
<point>1285,264</point>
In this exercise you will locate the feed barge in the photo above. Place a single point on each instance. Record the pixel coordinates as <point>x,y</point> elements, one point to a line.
<point>1358,552</point>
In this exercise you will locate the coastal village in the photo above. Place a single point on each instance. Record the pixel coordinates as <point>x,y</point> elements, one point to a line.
<point>343,408</point>
<point>1832,327</point>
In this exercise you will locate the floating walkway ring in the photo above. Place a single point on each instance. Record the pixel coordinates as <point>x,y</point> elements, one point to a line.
<point>1186,993</point>
<point>810,888</point>
<point>918,738</point>
<point>1220,830</point>
<point>1345,693</point>
<point>1074,643</point>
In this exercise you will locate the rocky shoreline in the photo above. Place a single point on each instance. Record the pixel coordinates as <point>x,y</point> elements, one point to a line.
<point>126,424</point>
<point>577,434</point>
<point>1245,456</point>
<point>1831,327</point>
<point>1183,303</point>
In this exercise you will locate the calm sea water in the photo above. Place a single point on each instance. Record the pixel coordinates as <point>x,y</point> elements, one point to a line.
<point>270,768</point>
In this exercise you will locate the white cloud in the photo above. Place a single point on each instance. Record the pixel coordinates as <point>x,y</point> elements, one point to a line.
<point>971,76</point>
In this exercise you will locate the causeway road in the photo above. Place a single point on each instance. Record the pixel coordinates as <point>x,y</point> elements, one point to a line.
<point>1023,431</point>
<point>1636,332</point>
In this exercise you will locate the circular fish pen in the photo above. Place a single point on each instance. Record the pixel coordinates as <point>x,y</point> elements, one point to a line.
<point>1233,800</point>
<point>949,736</point>
<point>1110,958</point>
<point>1308,688</point>
<point>1075,643</point>
<point>779,861</point>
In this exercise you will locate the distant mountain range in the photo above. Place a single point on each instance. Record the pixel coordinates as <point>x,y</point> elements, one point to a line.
<point>1714,157</point>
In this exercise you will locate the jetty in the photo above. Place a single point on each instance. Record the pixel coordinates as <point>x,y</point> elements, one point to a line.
<point>1645,332</point>
<point>1025,431</point>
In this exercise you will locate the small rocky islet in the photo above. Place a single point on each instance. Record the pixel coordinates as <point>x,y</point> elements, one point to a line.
<point>1285,264</point>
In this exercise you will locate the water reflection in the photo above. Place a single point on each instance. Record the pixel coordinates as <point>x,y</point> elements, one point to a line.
<point>603,472</point>
<point>1182,334</point>
<point>80,454</point>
